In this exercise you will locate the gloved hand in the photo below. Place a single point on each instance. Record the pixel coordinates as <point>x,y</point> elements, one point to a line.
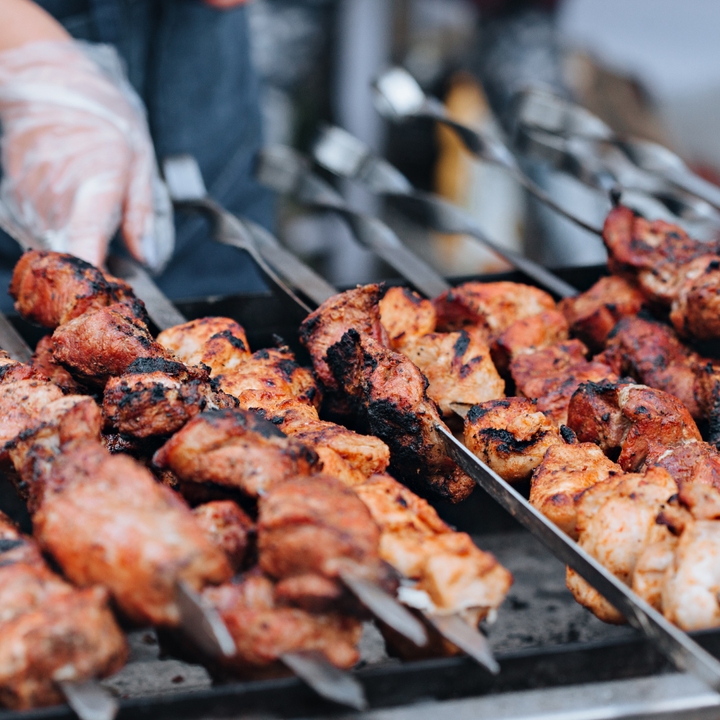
<point>77,157</point>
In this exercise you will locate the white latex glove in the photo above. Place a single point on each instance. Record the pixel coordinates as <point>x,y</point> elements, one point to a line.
<point>77,157</point>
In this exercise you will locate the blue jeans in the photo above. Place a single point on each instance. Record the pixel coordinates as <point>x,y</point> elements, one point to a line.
<point>191,65</point>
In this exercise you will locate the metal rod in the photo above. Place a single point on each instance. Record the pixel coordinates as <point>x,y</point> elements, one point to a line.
<point>672,642</point>
<point>346,156</point>
<point>89,700</point>
<point>12,342</point>
<point>325,679</point>
<point>286,170</point>
<point>402,97</point>
<point>470,640</point>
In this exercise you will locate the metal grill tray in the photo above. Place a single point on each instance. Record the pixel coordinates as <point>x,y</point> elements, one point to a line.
<point>542,637</point>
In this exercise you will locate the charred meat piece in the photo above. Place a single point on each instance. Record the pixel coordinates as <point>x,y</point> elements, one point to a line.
<point>491,308</point>
<point>315,526</point>
<point>365,453</point>
<point>49,631</point>
<point>406,316</point>
<point>218,342</point>
<point>356,309</point>
<point>527,336</point>
<point>652,354</point>
<point>564,474</point>
<point>670,269</point>
<point>52,288</point>
<point>455,574</point>
<point>552,375</point>
<point>269,374</point>
<point>593,314</point>
<point>511,436</point>
<point>389,395</point>
<point>264,629</point>
<point>44,362</point>
<point>616,523</point>
<point>106,521</point>
<point>635,419</point>
<point>691,463</point>
<point>228,528</point>
<point>235,448</point>
<point>103,343</point>
<point>458,368</point>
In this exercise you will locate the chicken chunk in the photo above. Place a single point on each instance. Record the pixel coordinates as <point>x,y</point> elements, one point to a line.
<point>406,316</point>
<point>389,396</point>
<point>356,309</point>
<point>564,474</point>
<point>489,307</point>
<point>511,436</point>
<point>593,314</point>
<point>52,288</point>
<point>615,523</point>
<point>44,362</point>
<point>237,449</point>
<point>458,367</point>
<point>228,528</point>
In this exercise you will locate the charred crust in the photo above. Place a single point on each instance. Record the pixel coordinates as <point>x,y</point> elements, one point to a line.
<point>145,365</point>
<point>568,435</point>
<point>461,344</point>
<point>7,544</point>
<point>506,443</point>
<point>235,341</point>
<point>262,355</point>
<point>476,412</point>
<point>287,367</point>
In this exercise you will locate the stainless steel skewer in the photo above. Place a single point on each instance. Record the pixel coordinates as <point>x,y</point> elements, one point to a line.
<point>89,700</point>
<point>346,156</point>
<point>399,97</point>
<point>287,171</point>
<point>672,642</point>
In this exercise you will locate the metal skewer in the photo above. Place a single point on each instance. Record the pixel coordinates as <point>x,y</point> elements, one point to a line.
<point>399,96</point>
<point>672,642</point>
<point>89,700</point>
<point>346,156</point>
<point>287,171</point>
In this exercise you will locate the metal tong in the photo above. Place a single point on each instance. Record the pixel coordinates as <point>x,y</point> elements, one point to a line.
<point>345,155</point>
<point>399,97</point>
<point>287,171</point>
<point>577,142</point>
<point>680,649</point>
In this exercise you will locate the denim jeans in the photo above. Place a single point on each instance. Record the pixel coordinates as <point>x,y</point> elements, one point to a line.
<point>191,65</point>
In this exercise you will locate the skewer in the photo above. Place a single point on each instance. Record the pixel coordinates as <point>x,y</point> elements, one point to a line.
<point>683,652</point>
<point>89,700</point>
<point>399,96</point>
<point>287,171</point>
<point>203,624</point>
<point>347,156</point>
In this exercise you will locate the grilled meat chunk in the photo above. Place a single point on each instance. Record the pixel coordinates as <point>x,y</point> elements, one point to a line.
<point>615,523</point>
<point>356,309</point>
<point>49,631</point>
<point>317,526</point>
<point>455,574</point>
<point>235,448</point>
<point>106,521</point>
<point>670,269</point>
<point>264,630</point>
<point>406,316</point>
<point>489,308</point>
<point>652,354</point>
<point>458,368</point>
<point>218,342</point>
<point>691,463</point>
<point>389,395</point>
<point>564,474</point>
<point>511,436</point>
<point>52,288</point>
<point>552,375</point>
<point>528,335</point>
<point>228,528</point>
<point>635,419</point>
<point>44,362</point>
<point>593,314</point>
<point>104,342</point>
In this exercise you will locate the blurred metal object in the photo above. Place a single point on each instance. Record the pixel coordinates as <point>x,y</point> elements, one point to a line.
<point>89,700</point>
<point>399,96</point>
<point>187,189</point>
<point>287,171</point>
<point>12,342</point>
<point>475,644</point>
<point>346,156</point>
<point>670,640</point>
<point>633,163</point>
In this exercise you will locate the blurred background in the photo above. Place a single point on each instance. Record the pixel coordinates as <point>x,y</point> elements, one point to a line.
<point>648,68</point>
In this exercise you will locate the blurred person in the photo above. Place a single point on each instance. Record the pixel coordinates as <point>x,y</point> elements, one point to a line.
<point>79,145</point>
